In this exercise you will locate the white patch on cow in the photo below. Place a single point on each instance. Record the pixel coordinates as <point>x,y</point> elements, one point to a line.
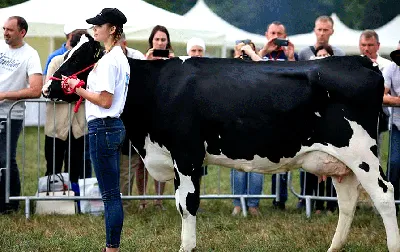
<point>82,41</point>
<point>219,136</point>
<point>309,138</point>
<point>317,114</point>
<point>45,88</point>
<point>185,187</point>
<point>184,58</point>
<point>158,161</point>
<point>327,92</point>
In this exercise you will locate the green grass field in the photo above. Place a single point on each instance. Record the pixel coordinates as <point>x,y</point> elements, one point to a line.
<point>154,230</point>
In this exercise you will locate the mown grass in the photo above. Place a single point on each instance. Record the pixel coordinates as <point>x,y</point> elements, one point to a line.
<point>153,230</point>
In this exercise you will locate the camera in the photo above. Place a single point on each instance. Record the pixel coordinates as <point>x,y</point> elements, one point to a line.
<point>244,41</point>
<point>281,42</point>
<point>160,53</point>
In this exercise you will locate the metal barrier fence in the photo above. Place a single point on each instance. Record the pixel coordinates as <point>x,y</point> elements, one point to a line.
<point>24,167</point>
<point>216,191</point>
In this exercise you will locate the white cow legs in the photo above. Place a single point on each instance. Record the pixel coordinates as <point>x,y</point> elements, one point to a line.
<point>347,194</point>
<point>381,193</point>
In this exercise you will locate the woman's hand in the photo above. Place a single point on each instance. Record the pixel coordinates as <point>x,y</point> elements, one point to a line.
<point>71,82</point>
<point>150,56</point>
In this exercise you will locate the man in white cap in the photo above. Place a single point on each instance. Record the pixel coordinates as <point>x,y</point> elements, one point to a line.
<point>195,47</point>
<point>69,31</point>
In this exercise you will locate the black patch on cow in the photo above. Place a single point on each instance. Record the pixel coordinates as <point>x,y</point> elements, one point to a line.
<point>383,175</point>
<point>374,149</point>
<point>177,181</point>
<point>193,199</point>
<point>193,203</point>
<point>180,209</point>
<point>382,185</point>
<point>364,166</point>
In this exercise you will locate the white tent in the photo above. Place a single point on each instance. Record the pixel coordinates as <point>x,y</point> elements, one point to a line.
<point>206,19</point>
<point>389,35</point>
<point>50,21</point>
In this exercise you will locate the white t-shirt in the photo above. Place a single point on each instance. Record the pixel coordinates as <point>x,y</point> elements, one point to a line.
<point>134,54</point>
<point>111,74</point>
<point>16,65</point>
<point>382,62</point>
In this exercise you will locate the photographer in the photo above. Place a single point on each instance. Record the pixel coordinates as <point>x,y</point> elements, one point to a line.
<point>246,50</point>
<point>278,48</point>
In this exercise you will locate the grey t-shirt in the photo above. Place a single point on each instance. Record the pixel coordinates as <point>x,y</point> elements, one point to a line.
<point>306,53</point>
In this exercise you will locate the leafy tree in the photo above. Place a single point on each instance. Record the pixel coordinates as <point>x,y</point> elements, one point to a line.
<point>6,3</point>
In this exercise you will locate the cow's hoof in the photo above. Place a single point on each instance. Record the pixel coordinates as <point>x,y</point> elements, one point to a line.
<point>333,250</point>
<point>183,250</point>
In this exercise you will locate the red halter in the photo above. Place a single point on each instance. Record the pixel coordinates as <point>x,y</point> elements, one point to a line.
<point>68,90</point>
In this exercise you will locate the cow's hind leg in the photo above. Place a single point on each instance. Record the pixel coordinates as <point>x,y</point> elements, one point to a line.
<point>187,200</point>
<point>347,194</point>
<point>381,192</point>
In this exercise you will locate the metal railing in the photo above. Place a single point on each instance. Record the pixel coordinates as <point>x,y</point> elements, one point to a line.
<point>28,198</point>
<point>204,195</point>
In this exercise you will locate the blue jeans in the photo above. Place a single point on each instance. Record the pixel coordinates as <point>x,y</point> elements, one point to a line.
<point>105,139</point>
<point>283,194</point>
<point>246,183</point>
<point>394,160</point>
<point>15,184</point>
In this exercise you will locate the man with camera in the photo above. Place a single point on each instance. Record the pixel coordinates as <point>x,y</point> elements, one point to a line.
<point>278,47</point>
<point>246,50</point>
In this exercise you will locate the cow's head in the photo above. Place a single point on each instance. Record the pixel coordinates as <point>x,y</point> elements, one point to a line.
<point>84,54</point>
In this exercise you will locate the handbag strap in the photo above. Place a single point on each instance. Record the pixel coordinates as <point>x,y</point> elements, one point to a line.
<point>313,50</point>
<point>60,176</point>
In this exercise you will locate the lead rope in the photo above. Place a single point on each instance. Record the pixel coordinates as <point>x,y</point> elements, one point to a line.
<point>68,90</point>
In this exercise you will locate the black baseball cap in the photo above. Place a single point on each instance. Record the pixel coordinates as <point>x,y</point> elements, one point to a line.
<point>108,15</point>
<point>395,55</point>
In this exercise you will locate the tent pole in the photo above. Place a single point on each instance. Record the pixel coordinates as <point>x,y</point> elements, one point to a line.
<point>223,51</point>
<point>51,45</point>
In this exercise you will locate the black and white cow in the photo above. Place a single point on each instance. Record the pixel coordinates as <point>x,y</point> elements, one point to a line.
<point>263,117</point>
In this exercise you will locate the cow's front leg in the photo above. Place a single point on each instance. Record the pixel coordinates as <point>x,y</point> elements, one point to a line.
<point>187,200</point>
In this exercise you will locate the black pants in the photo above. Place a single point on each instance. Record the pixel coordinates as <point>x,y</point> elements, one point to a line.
<point>75,157</point>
